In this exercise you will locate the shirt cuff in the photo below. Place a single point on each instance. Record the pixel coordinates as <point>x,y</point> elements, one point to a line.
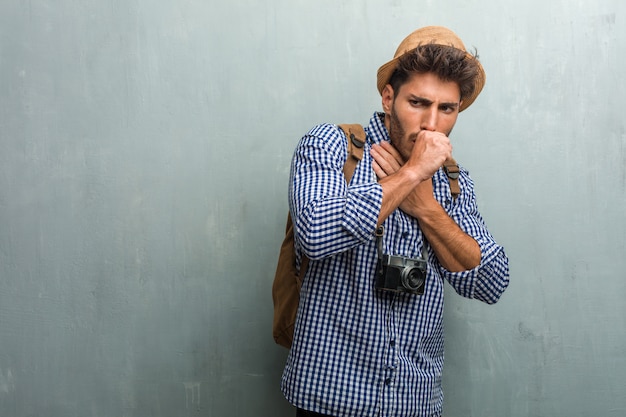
<point>488,280</point>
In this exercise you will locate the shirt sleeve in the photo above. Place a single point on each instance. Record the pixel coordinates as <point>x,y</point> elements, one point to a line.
<point>490,278</point>
<point>329,215</point>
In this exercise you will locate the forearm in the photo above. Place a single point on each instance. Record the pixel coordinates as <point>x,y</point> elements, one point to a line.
<point>327,226</point>
<point>396,188</point>
<point>456,250</point>
<point>329,215</point>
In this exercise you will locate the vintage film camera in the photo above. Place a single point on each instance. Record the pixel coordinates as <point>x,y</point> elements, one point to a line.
<point>399,273</point>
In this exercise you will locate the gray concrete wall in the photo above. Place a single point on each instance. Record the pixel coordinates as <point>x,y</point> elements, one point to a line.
<point>144,153</point>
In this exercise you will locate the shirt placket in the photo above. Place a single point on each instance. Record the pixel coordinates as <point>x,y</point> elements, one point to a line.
<point>391,363</point>
<point>402,238</point>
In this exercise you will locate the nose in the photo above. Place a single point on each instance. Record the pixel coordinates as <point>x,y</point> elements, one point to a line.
<point>429,119</point>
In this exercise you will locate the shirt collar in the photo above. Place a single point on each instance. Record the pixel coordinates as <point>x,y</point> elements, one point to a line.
<point>377,131</point>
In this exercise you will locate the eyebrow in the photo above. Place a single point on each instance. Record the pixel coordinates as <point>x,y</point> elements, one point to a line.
<point>454,105</point>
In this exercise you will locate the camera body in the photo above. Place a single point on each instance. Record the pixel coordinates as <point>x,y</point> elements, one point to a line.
<point>400,274</point>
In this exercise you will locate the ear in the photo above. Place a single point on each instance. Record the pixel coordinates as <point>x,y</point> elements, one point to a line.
<point>387,98</point>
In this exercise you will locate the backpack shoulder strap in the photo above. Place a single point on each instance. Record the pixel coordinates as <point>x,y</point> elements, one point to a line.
<point>452,171</point>
<point>356,142</point>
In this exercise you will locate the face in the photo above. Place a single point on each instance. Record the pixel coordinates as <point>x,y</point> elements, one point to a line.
<point>424,102</point>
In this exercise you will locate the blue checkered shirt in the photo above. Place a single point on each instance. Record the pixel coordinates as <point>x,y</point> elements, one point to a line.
<point>359,351</point>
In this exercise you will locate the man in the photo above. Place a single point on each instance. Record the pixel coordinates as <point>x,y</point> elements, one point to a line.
<point>360,348</point>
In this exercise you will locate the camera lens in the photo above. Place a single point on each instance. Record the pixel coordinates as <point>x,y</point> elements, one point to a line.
<point>412,278</point>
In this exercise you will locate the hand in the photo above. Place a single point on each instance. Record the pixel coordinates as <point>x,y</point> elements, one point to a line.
<point>387,160</point>
<point>430,150</point>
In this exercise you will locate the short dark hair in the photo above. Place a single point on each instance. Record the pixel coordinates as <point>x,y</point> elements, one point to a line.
<point>446,62</point>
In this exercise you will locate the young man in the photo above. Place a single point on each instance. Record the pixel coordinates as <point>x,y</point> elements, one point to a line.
<point>366,345</point>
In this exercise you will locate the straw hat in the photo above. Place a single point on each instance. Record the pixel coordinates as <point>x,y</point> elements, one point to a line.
<point>437,35</point>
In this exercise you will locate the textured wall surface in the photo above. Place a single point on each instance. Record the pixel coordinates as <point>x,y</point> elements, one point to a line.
<point>144,154</point>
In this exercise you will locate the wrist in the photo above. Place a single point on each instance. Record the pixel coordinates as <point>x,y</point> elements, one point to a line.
<point>413,175</point>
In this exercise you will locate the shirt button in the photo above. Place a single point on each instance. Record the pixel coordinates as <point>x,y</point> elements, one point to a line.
<point>392,343</point>
<point>405,234</point>
<point>388,381</point>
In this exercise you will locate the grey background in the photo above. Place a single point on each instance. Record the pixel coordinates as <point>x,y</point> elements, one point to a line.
<point>144,153</point>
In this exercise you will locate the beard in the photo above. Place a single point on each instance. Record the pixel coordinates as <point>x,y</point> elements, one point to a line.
<point>398,136</point>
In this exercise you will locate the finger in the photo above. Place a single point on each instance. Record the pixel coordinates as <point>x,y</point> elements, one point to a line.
<point>380,173</point>
<point>386,159</point>
<point>393,151</point>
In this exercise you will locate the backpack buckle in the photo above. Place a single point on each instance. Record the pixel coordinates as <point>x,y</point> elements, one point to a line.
<point>452,171</point>
<point>355,141</point>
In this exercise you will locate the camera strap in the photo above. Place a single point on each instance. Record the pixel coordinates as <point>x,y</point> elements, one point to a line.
<point>380,231</point>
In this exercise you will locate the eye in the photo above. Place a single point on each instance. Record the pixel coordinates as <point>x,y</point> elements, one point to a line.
<point>447,109</point>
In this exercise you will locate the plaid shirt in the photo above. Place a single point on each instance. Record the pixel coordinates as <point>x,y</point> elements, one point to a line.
<point>359,351</point>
